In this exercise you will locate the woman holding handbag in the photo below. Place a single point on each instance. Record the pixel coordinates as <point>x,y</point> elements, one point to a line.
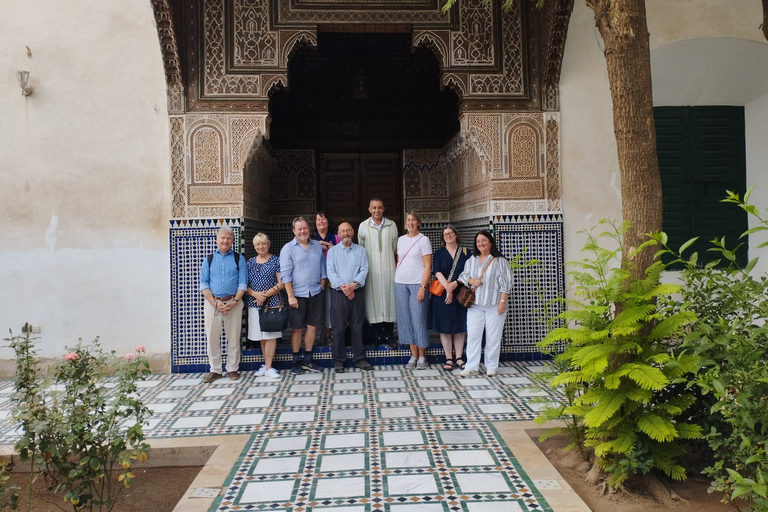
<point>447,316</point>
<point>487,272</point>
<point>264,288</point>
<point>414,266</point>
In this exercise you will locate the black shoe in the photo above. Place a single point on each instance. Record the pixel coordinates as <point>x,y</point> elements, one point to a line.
<point>296,369</point>
<point>363,365</point>
<point>310,366</point>
<point>338,367</point>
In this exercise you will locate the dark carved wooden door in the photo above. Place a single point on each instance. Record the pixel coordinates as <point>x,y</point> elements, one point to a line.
<point>348,181</point>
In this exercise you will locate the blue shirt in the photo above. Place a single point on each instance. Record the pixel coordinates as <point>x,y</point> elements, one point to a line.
<point>223,277</point>
<point>347,265</point>
<point>303,268</point>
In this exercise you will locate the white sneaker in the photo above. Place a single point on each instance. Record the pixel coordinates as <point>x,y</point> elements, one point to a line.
<point>411,364</point>
<point>261,371</point>
<point>467,373</point>
<point>272,374</point>
<point>421,364</point>
<point>491,372</point>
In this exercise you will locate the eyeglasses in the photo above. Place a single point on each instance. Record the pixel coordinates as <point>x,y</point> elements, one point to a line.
<point>450,233</point>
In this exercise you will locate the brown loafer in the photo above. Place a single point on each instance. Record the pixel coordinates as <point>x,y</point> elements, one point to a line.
<point>210,377</point>
<point>234,376</point>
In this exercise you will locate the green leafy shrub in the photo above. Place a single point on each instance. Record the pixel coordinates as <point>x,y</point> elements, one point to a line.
<point>82,434</point>
<point>731,338</point>
<point>620,361</point>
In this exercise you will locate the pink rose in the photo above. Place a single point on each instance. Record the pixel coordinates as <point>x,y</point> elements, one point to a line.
<point>129,357</point>
<point>72,356</point>
<point>140,348</point>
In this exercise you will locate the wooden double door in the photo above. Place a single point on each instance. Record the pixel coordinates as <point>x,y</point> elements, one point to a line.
<point>348,181</point>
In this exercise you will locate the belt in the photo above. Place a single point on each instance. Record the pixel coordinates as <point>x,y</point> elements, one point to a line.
<point>224,299</point>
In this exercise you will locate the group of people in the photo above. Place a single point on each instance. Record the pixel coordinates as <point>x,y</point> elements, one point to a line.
<point>331,282</point>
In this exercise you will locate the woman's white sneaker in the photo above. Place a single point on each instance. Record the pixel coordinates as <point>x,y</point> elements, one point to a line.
<point>411,364</point>
<point>272,374</point>
<point>261,371</point>
<point>467,373</point>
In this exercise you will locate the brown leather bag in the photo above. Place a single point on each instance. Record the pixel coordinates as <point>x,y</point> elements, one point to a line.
<point>466,295</point>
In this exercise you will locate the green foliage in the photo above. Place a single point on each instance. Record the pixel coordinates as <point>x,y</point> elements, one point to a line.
<point>620,362</point>
<point>82,434</point>
<point>9,496</point>
<point>731,338</point>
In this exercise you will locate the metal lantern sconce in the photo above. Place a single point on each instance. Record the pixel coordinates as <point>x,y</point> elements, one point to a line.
<point>23,78</point>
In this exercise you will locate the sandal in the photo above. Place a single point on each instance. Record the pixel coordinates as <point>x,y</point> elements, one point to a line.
<point>448,365</point>
<point>460,364</point>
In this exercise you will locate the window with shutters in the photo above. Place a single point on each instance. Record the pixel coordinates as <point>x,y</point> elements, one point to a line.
<point>701,155</point>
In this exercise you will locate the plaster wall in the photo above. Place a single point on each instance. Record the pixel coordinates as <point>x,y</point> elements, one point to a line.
<point>84,179</point>
<point>755,115</point>
<point>591,180</point>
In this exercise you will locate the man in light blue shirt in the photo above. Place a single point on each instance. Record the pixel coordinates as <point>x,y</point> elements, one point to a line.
<point>302,270</point>
<point>347,270</point>
<point>223,282</point>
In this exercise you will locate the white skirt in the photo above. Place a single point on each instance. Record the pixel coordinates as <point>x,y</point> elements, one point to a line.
<point>254,329</point>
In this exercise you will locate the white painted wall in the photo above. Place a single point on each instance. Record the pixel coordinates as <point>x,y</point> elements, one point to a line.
<point>702,52</point>
<point>84,175</point>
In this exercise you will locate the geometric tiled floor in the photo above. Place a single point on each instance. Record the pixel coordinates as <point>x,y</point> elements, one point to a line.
<point>391,439</point>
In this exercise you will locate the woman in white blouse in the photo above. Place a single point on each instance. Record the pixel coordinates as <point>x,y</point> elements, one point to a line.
<point>414,266</point>
<point>488,272</point>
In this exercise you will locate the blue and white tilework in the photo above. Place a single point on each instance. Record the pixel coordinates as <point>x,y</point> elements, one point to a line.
<point>390,440</point>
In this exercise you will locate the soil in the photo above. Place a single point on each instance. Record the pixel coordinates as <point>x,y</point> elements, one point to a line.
<point>693,491</point>
<point>155,488</point>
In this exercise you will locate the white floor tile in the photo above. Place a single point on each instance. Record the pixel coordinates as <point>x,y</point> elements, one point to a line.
<point>282,444</point>
<point>335,487</point>
<point>254,402</point>
<point>380,374</point>
<point>470,483</point>
<point>460,436</point>
<point>260,390</point>
<point>484,393</point>
<point>218,392</point>
<point>305,388</point>
<point>447,410</point>
<point>515,381</point>
<point>431,383</point>
<point>277,465</point>
<point>458,458</point>
<point>339,509</point>
<point>416,507</point>
<point>497,408</point>
<point>388,384</point>
<point>193,422</point>
<point>348,399</point>
<point>394,397</point>
<point>429,372</point>
<point>302,400</point>
<point>345,462</point>
<point>344,441</point>
<point>397,412</point>
<point>291,417</point>
<point>209,405</point>
<point>411,484</point>
<point>151,424</point>
<point>439,395</point>
<point>479,381</point>
<point>490,506</point>
<point>309,377</point>
<point>146,384</point>
<point>185,382</point>
<point>244,419</point>
<point>257,492</point>
<point>160,407</point>
<point>530,392</point>
<point>347,414</point>
<point>344,386</point>
<point>175,393</point>
<point>418,459</point>
<point>403,438</point>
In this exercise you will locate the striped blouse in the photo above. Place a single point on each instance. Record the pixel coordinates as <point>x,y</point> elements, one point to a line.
<point>496,280</point>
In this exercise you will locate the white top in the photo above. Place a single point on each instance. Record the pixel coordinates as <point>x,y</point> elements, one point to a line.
<point>496,280</point>
<point>410,267</point>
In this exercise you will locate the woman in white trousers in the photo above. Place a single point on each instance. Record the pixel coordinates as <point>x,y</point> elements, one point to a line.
<point>488,272</point>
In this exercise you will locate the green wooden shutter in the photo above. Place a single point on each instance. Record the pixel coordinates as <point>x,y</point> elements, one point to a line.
<point>701,154</point>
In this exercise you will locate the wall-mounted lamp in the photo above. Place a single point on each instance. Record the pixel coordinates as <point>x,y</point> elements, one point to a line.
<point>23,78</point>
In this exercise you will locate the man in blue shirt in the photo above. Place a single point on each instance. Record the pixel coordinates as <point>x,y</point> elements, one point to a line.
<point>223,281</point>
<point>347,270</point>
<point>302,270</point>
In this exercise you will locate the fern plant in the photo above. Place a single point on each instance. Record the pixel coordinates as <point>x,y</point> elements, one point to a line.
<point>620,351</point>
